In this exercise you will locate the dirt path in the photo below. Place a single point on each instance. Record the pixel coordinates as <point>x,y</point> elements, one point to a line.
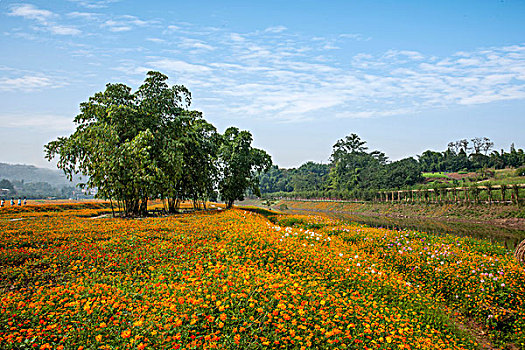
<point>478,332</point>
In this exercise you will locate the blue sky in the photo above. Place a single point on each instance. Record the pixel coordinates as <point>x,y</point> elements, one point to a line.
<point>404,75</point>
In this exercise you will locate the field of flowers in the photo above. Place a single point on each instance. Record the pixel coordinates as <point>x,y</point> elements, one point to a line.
<point>234,279</point>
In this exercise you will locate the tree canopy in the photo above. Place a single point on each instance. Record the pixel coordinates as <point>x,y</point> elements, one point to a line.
<point>135,146</point>
<point>356,172</point>
<point>240,165</point>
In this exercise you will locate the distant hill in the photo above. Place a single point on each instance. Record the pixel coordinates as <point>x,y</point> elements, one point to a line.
<point>32,174</point>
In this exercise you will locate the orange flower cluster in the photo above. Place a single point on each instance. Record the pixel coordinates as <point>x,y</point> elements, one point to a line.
<point>90,208</point>
<point>228,279</point>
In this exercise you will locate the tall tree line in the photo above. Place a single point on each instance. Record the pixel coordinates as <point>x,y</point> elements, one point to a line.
<point>355,172</point>
<point>147,144</point>
<point>463,155</point>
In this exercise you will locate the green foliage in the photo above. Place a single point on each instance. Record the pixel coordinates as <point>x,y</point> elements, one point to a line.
<point>262,211</point>
<point>310,176</point>
<point>353,168</point>
<point>276,180</point>
<point>520,172</point>
<point>354,173</point>
<point>134,146</point>
<point>456,158</point>
<point>404,172</point>
<point>438,175</point>
<point>240,165</point>
<point>33,190</point>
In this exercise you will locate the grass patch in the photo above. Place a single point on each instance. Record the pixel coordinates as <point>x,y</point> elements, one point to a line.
<point>435,175</point>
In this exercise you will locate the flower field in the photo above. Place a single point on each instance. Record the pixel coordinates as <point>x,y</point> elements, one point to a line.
<point>234,279</point>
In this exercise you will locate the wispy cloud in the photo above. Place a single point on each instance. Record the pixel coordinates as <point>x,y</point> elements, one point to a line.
<point>42,122</point>
<point>237,37</point>
<point>83,15</point>
<point>94,4</point>
<point>270,74</point>
<point>355,36</point>
<point>29,11</point>
<point>275,29</point>
<point>195,44</point>
<point>25,83</point>
<point>63,30</point>
<point>125,23</point>
<point>178,66</point>
<point>156,40</point>
<point>274,73</point>
<point>44,19</point>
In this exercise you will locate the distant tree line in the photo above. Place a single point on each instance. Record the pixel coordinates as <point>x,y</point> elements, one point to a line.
<point>35,190</point>
<point>148,144</point>
<point>463,155</point>
<point>355,172</point>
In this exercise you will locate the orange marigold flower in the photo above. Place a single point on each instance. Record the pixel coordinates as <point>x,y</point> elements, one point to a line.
<point>126,333</point>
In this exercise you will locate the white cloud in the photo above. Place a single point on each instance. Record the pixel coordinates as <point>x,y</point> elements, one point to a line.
<point>195,44</point>
<point>156,40</point>
<point>275,29</point>
<point>134,20</point>
<point>94,4</point>
<point>179,66</point>
<point>25,83</point>
<point>237,37</point>
<point>63,30</point>
<point>354,36</point>
<point>44,122</point>
<point>29,11</point>
<point>42,18</point>
<point>115,26</point>
<point>265,74</point>
<point>125,23</point>
<point>83,15</point>
<point>412,55</point>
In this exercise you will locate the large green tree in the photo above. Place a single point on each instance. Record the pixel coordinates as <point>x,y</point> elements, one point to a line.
<point>130,145</point>
<point>200,146</point>
<point>353,167</point>
<point>240,165</point>
<point>310,176</point>
<point>401,173</point>
<point>276,180</point>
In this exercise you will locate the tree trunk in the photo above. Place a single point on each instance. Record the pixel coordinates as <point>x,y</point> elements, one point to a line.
<point>173,205</point>
<point>111,203</point>
<point>143,208</point>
